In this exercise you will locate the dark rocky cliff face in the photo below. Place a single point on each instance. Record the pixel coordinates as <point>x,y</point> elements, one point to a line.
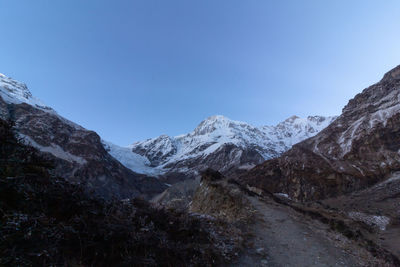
<point>78,153</point>
<point>360,148</point>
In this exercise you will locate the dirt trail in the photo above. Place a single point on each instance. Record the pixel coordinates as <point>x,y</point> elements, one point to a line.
<point>286,238</point>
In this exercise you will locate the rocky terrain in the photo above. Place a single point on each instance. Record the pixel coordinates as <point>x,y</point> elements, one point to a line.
<point>377,208</point>
<point>357,150</point>
<point>47,221</point>
<point>218,198</point>
<point>349,172</point>
<point>276,231</point>
<point>79,153</point>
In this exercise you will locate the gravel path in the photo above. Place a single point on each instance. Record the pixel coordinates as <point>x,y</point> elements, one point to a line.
<point>285,238</point>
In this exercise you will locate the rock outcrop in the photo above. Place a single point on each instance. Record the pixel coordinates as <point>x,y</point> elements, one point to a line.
<point>218,198</point>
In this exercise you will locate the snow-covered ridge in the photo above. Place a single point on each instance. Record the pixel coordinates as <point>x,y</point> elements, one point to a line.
<point>215,132</point>
<point>15,92</point>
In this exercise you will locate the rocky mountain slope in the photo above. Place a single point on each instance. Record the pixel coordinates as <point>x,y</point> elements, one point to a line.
<point>47,221</point>
<point>219,143</point>
<point>79,153</point>
<point>360,148</point>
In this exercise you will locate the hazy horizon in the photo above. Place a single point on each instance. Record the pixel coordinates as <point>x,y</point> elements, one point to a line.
<point>132,70</point>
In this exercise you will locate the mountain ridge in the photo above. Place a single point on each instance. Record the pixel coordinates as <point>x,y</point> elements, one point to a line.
<point>78,153</point>
<point>356,151</point>
<point>219,142</point>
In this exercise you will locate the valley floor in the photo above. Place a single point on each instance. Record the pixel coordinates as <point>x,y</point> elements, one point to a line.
<point>284,237</point>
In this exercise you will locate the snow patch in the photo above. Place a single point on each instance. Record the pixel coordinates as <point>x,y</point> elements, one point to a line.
<point>381,116</point>
<point>55,150</point>
<point>347,137</point>
<point>282,195</point>
<point>246,166</point>
<point>372,220</point>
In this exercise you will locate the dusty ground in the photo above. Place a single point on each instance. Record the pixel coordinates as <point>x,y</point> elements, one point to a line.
<point>284,237</point>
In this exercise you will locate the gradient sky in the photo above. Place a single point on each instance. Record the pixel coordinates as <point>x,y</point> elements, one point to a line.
<point>131,70</point>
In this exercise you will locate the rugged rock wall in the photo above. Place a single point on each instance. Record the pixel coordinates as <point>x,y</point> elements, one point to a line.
<point>360,148</point>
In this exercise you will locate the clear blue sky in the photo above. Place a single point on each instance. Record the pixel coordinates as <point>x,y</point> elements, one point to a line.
<point>131,70</point>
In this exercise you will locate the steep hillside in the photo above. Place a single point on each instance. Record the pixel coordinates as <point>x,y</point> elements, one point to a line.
<point>47,221</point>
<point>360,148</point>
<point>79,154</point>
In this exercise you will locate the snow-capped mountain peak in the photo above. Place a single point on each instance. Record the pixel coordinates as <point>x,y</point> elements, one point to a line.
<point>213,123</point>
<point>223,143</point>
<point>15,92</point>
<point>291,119</point>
